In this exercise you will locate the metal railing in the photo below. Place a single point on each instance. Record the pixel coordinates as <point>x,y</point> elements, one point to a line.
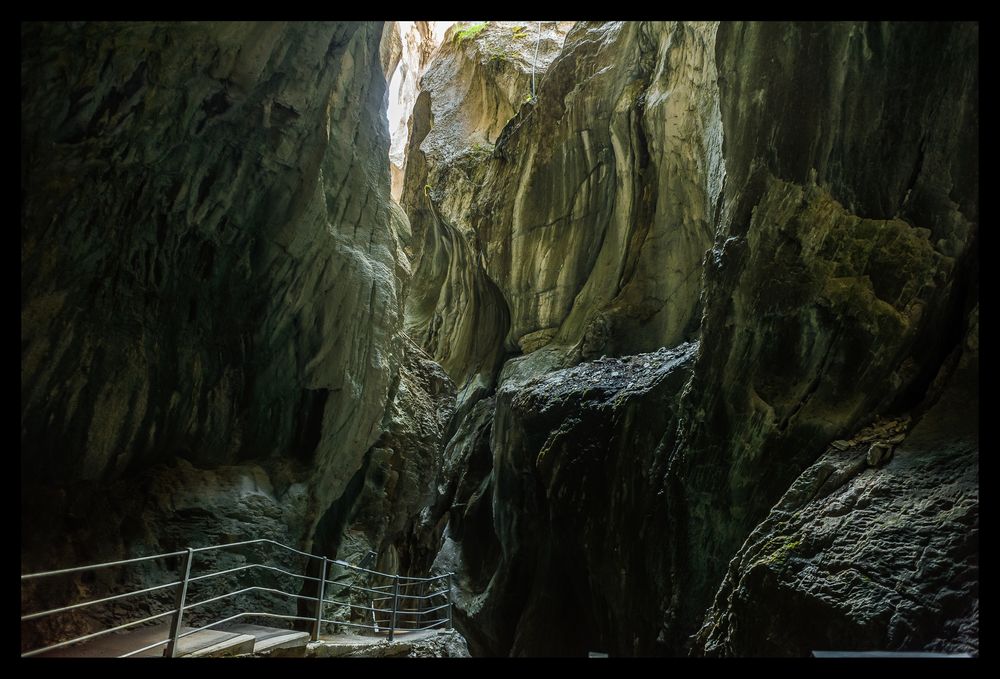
<point>412,598</point>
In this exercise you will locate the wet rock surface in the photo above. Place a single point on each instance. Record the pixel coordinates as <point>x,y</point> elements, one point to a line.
<point>193,310</point>
<point>386,510</point>
<point>824,297</point>
<point>875,556</point>
<point>591,210</point>
<point>567,440</point>
<point>821,311</point>
<point>473,87</point>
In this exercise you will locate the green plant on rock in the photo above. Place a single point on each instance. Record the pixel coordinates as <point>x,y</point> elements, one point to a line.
<point>497,55</point>
<point>469,32</point>
<point>518,32</point>
<point>780,555</point>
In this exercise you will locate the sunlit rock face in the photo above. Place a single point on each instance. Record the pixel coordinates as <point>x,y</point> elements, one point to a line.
<point>407,48</point>
<point>479,78</point>
<point>767,188</point>
<point>591,209</point>
<point>210,280</point>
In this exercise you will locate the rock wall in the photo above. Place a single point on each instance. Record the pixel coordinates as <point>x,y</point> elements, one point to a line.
<point>407,47</point>
<point>876,544</point>
<point>694,329</point>
<point>803,198</point>
<point>399,477</point>
<point>592,211</point>
<point>577,468</point>
<point>473,87</point>
<point>211,282</point>
<point>825,304</point>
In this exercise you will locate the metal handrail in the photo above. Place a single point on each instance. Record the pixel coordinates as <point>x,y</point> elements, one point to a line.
<point>398,582</point>
<point>63,571</point>
<point>252,565</point>
<point>416,596</point>
<point>409,577</point>
<point>364,608</point>
<point>253,542</point>
<point>430,626</point>
<point>436,608</point>
<point>244,591</point>
<point>42,614</point>
<point>367,589</point>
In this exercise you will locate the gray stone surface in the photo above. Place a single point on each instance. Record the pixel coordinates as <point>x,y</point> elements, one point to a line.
<point>469,92</point>
<point>827,303</point>
<point>211,285</point>
<point>687,328</point>
<point>429,644</point>
<point>199,220</point>
<point>839,217</point>
<point>558,530</point>
<point>858,556</point>
<point>590,211</point>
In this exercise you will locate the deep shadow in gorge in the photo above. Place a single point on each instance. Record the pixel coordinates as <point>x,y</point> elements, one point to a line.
<point>684,348</point>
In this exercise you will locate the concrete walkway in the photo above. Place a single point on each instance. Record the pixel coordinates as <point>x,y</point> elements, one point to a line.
<point>237,639</point>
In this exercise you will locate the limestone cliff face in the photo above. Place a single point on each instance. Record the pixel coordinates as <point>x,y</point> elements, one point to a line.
<point>471,89</point>
<point>210,281</point>
<point>406,51</point>
<point>833,290</point>
<point>683,349</point>
<point>385,510</point>
<point>577,468</point>
<point>769,188</point>
<point>592,212</point>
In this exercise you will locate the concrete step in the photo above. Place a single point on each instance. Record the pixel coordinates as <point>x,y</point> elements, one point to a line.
<point>203,643</point>
<point>215,643</point>
<point>270,638</point>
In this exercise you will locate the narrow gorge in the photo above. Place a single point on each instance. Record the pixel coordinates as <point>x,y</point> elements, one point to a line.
<point>661,337</point>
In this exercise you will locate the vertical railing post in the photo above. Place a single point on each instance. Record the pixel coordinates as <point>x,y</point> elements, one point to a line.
<point>319,601</point>
<point>423,604</point>
<point>175,624</point>
<point>450,604</point>
<point>395,605</point>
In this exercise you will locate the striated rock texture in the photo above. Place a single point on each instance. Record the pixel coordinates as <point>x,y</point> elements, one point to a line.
<point>193,309</point>
<point>384,508</point>
<point>466,340</point>
<point>475,84</point>
<point>406,50</point>
<point>592,212</point>
<point>210,282</point>
<point>826,302</point>
<point>694,329</point>
<point>829,171</point>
